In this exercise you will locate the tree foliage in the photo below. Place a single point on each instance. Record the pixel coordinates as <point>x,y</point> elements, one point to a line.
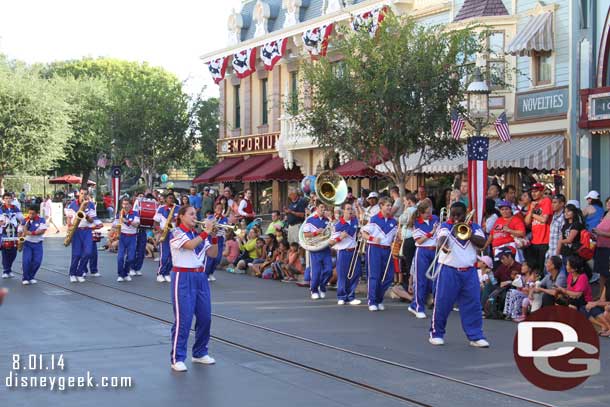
<point>390,96</point>
<point>34,121</point>
<point>206,115</point>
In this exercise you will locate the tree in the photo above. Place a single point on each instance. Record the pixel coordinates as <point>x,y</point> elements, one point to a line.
<point>34,121</point>
<point>390,96</point>
<point>206,118</point>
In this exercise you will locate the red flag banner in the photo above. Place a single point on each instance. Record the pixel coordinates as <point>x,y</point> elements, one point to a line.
<point>478,149</point>
<point>272,52</point>
<point>316,40</point>
<point>244,63</point>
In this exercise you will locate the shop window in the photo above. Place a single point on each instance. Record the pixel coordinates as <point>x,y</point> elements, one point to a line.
<point>237,107</point>
<point>264,101</point>
<point>543,68</point>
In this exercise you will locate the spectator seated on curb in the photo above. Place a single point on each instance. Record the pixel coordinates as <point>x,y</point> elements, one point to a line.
<point>230,252</point>
<point>598,311</point>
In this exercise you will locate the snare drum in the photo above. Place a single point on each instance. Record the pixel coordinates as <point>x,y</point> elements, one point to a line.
<point>148,209</point>
<point>9,244</point>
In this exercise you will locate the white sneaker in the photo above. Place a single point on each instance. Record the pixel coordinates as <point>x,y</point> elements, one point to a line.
<point>138,273</point>
<point>81,279</point>
<point>481,343</point>
<point>132,273</point>
<point>373,308</point>
<point>5,275</point>
<point>96,275</point>
<point>322,294</point>
<point>73,279</point>
<point>206,360</point>
<point>179,367</point>
<point>418,315</point>
<point>32,281</point>
<point>341,302</point>
<point>168,279</point>
<point>156,259</point>
<point>128,278</point>
<point>120,279</point>
<point>436,341</point>
<point>160,278</point>
<point>211,277</point>
<point>315,296</point>
<point>11,275</point>
<point>355,301</point>
<point>25,282</point>
<point>381,307</point>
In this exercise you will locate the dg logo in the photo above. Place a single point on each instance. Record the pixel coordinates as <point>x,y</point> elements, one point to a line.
<point>556,348</point>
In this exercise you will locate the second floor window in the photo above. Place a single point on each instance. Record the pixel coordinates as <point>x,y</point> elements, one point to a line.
<point>496,63</point>
<point>237,107</point>
<point>294,92</point>
<point>543,68</point>
<point>264,102</point>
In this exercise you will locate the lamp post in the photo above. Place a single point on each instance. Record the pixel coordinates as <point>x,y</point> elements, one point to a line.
<point>478,101</point>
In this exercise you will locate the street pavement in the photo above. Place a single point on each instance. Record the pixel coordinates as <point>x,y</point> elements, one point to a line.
<point>307,353</point>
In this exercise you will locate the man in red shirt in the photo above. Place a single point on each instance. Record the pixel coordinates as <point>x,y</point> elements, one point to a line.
<point>539,216</point>
<point>506,228</point>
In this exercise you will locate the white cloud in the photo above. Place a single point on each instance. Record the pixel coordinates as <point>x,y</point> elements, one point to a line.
<point>169,34</point>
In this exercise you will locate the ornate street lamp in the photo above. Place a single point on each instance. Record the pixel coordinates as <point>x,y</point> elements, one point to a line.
<point>478,101</point>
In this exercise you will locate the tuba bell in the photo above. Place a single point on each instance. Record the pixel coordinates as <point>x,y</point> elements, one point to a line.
<point>331,188</point>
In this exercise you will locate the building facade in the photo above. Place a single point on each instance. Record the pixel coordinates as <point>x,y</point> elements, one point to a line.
<point>534,46</point>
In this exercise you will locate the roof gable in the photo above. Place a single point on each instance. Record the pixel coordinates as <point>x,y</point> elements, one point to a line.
<point>481,8</point>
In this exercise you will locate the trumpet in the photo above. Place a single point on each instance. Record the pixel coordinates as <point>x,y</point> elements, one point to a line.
<point>217,225</point>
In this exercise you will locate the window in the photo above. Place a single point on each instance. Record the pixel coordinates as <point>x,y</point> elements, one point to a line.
<point>543,68</point>
<point>339,69</point>
<point>294,92</point>
<point>264,101</point>
<point>237,107</point>
<point>495,62</point>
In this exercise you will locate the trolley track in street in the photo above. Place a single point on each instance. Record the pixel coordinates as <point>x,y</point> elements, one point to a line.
<point>285,360</point>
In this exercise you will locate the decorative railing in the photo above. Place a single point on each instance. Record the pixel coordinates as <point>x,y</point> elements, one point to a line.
<point>292,137</point>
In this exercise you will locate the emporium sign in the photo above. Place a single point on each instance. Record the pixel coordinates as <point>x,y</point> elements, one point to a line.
<point>247,145</point>
<point>599,106</point>
<point>541,104</point>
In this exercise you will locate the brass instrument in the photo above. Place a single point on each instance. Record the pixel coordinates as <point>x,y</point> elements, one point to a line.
<point>168,224</point>
<point>391,256</point>
<point>118,227</point>
<point>234,228</point>
<point>20,243</point>
<point>331,188</point>
<point>80,215</point>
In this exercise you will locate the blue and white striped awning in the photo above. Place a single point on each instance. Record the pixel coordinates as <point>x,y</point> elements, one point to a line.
<point>536,36</point>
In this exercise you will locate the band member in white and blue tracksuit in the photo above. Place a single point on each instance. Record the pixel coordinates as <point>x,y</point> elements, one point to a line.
<point>190,288</point>
<point>165,262</point>
<point>320,262</point>
<point>129,221</point>
<point>217,217</point>
<point>458,280</point>
<point>348,260</point>
<point>32,228</point>
<point>10,217</point>
<point>379,234</point>
<point>82,241</point>
<point>96,237</point>
<point>141,238</point>
<point>424,233</point>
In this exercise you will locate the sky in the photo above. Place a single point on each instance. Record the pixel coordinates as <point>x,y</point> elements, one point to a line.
<point>171,34</point>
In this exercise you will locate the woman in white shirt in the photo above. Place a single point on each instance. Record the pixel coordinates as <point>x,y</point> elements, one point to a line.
<point>190,289</point>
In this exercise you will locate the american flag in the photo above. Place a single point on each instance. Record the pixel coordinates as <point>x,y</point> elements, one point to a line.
<point>478,148</point>
<point>457,124</point>
<point>501,126</point>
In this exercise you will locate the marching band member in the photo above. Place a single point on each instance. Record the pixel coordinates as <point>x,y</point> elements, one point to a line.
<point>320,262</point>
<point>10,216</point>
<point>96,236</point>
<point>380,233</point>
<point>424,233</point>
<point>458,280</point>
<point>32,228</point>
<point>82,241</point>
<point>141,239</point>
<point>165,262</point>
<point>129,221</point>
<point>190,288</point>
<point>212,263</point>
<point>344,242</point>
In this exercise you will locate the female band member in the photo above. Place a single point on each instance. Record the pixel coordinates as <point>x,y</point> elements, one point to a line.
<point>190,289</point>
<point>348,260</point>
<point>424,233</point>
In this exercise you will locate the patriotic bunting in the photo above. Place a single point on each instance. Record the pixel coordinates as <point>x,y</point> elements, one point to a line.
<point>272,52</point>
<point>457,124</point>
<point>369,20</point>
<point>501,125</point>
<point>478,149</point>
<point>217,68</point>
<point>316,40</point>
<point>244,63</point>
